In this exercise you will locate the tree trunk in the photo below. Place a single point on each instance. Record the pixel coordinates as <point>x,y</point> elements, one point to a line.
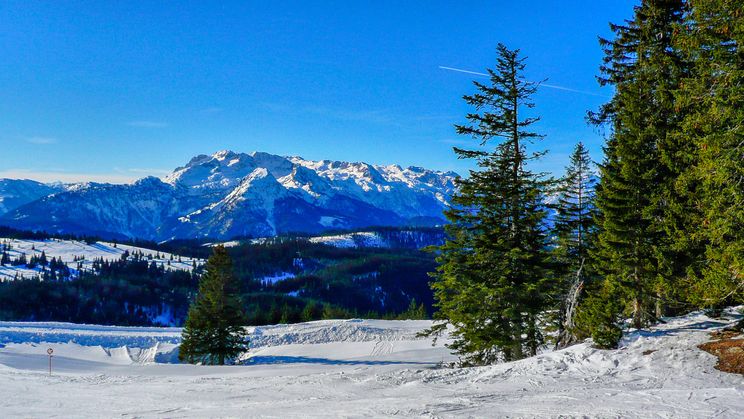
<point>567,336</point>
<point>637,314</point>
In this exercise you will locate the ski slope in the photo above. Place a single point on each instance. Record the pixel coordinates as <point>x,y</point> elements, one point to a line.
<point>76,253</point>
<point>356,368</point>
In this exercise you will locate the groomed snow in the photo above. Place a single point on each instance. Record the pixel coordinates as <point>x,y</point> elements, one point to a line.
<point>354,368</point>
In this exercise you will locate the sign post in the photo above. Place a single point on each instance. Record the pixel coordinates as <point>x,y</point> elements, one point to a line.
<point>50,351</point>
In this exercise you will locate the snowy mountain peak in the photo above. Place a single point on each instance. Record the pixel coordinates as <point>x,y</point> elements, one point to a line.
<point>224,155</point>
<point>218,171</point>
<point>151,181</point>
<point>229,194</point>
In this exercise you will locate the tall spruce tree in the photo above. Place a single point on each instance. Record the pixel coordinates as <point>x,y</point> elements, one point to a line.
<point>573,231</point>
<point>633,249</point>
<point>214,331</point>
<point>712,99</point>
<point>493,280</point>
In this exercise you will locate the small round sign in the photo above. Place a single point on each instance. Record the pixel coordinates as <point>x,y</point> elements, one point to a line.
<point>50,351</point>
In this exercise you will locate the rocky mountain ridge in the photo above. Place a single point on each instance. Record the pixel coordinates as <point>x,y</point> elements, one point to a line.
<point>230,194</point>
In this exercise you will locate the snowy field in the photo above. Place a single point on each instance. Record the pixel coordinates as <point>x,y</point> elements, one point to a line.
<point>74,252</point>
<point>351,240</point>
<point>357,368</point>
<point>343,241</point>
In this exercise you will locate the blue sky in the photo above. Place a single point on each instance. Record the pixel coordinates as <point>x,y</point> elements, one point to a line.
<point>113,91</point>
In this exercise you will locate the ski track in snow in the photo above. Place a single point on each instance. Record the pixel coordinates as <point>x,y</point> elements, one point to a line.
<point>358,368</point>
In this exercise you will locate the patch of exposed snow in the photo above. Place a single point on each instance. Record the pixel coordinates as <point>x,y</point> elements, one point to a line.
<point>280,276</point>
<point>351,240</point>
<point>231,243</point>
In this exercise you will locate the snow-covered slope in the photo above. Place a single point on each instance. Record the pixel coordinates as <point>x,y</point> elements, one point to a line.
<point>355,368</point>
<point>362,239</point>
<point>407,239</point>
<point>18,192</point>
<point>383,238</point>
<point>231,194</point>
<point>78,255</point>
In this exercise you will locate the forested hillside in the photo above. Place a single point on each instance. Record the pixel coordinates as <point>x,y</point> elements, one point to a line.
<point>286,279</point>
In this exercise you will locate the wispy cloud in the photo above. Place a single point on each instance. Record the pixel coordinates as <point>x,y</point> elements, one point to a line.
<point>147,124</point>
<point>550,86</point>
<point>41,140</point>
<point>67,177</point>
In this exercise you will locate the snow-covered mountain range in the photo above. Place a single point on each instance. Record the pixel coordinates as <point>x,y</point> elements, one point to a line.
<point>232,194</point>
<point>18,192</point>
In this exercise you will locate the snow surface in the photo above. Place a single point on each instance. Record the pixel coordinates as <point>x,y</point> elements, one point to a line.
<point>352,240</point>
<point>69,250</point>
<point>353,368</point>
<point>231,243</point>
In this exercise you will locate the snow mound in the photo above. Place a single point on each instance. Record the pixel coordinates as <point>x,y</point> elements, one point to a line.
<point>332,331</point>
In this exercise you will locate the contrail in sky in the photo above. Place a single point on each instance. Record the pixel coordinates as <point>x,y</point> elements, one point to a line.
<point>463,71</point>
<point>551,86</point>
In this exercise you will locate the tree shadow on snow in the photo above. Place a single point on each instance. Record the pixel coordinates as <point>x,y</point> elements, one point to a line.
<point>103,248</point>
<point>704,325</point>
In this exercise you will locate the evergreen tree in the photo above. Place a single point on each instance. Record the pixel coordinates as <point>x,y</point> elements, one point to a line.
<point>413,312</point>
<point>286,314</point>
<point>493,279</point>
<point>633,249</point>
<point>713,102</point>
<point>275,314</point>
<point>573,229</point>
<point>20,261</point>
<point>312,311</point>
<point>214,330</point>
